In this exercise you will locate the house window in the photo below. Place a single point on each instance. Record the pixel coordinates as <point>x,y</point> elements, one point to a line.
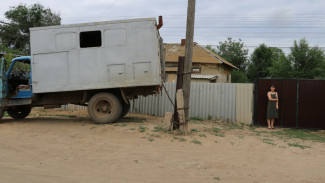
<point>227,78</point>
<point>90,39</point>
<point>196,70</point>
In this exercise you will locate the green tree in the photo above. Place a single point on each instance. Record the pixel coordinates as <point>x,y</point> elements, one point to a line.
<point>261,60</point>
<point>281,66</point>
<point>307,62</point>
<point>237,76</point>
<point>321,71</point>
<point>233,51</point>
<point>9,54</point>
<point>15,34</point>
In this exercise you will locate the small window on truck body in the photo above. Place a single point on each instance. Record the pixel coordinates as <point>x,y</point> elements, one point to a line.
<point>90,39</point>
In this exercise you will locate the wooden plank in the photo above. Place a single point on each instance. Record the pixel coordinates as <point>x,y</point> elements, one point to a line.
<point>183,126</point>
<point>168,124</point>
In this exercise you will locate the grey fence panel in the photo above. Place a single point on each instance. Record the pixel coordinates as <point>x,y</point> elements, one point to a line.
<point>244,103</point>
<point>207,100</point>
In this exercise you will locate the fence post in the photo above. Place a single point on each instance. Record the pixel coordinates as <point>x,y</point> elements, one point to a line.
<point>297,103</point>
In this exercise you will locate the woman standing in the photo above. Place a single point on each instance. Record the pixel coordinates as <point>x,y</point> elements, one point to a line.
<point>272,107</point>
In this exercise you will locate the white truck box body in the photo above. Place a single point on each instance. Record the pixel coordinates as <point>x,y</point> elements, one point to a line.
<point>129,56</point>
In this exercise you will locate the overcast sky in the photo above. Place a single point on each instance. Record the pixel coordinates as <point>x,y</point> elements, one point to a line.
<point>274,22</point>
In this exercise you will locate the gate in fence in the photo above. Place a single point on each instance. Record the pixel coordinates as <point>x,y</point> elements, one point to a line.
<point>301,102</point>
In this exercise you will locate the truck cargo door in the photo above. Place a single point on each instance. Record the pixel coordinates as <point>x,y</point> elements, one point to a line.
<point>3,80</point>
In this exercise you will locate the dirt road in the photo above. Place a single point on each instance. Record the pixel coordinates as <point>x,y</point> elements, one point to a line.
<point>52,147</point>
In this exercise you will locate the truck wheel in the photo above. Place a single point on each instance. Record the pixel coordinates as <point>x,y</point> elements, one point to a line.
<point>104,108</point>
<point>19,112</point>
<point>125,109</point>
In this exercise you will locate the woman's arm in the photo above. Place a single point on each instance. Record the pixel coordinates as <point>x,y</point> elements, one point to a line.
<point>270,98</point>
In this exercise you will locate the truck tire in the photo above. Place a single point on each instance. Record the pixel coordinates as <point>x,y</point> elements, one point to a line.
<point>104,108</point>
<point>125,109</point>
<point>19,112</point>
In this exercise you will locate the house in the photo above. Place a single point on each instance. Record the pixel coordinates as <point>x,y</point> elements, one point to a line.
<point>207,66</point>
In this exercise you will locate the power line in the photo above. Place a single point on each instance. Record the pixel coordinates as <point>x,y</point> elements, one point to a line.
<point>252,46</point>
<point>110,6</point>
<point>227,27</point>
<point>262,21</point>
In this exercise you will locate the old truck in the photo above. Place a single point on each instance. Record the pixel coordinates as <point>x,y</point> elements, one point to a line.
<point>101,65</point>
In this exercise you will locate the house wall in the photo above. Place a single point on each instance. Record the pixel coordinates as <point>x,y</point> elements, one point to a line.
<point>196,80</point>
<point>220,70</point>
<point>171,77</point>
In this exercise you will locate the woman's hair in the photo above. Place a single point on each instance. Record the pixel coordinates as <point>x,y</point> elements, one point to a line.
<point>273,85</point>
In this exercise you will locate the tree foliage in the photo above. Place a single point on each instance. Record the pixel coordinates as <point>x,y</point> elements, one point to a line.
<point>281,66</point>
<point>307,62</point>
<point>303,61</point>
<point>238,77</point>
<point>15,34</point>
<point>261,61</point>
<point>233,51</point>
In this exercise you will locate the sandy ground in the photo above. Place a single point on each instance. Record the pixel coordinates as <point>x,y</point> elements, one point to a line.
<point>67,147</point>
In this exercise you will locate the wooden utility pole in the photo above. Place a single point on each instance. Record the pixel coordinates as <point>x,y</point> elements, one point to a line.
<point>188,56</point>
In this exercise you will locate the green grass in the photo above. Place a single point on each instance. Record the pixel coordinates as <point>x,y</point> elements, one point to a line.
<point>181,139</point>
<point>259,133</point>
<point>196,141</point>
<point>252,128</point>
<point>195,130</point>
<point>159,129</point>
<point>132,128</point>
<point>239,126</point>
<point>151,139</point>
<point>302,134</point>
<point>196,118</point>
<point>298,145</point>
<point>202,135</point>
<point>154,135</point>
<point>268,141</point>
<point>142,128</point>
<point>218,132</point>
<point>216,178</point>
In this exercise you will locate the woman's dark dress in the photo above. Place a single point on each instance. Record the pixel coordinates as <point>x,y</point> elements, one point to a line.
<point>272,112</point>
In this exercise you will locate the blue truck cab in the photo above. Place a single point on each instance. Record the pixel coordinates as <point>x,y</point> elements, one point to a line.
<point>16,89</point>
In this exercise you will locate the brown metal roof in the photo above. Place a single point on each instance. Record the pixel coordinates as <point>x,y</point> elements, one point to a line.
<point>200,55</point>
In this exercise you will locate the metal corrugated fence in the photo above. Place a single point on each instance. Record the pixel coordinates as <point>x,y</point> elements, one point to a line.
<point>223,101</point>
